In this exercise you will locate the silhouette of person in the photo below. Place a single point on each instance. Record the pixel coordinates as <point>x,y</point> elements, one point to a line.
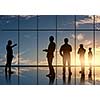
<point>65,50</point>
<point>9,55</point>
<point>69,79</point>
<point>50,56</point>
<point>64,78</point>
<point>81,52</point>
<point>90,55</point>
<point>82,79</point>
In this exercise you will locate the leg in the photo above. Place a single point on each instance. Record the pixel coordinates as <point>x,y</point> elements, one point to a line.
<point>69,67</point>
<point>7,64</point>
<point>48,65</point>
<point>6,67</point>
<point>82,67</point>
<point>90,70</point>
<point>64,65</point>
<point>10,61</point>
<point>51,69</point>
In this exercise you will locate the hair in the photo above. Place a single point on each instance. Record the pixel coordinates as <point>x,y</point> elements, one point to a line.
<point>81,45</point>
<point>66,40</point>
<point>51,38</point>
<point>90,48</point>
<point>9,42</point>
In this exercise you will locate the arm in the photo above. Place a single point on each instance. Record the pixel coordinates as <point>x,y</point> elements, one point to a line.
<point>45,50</point>
<point>14,45</point>
<point>61,51</point>
<point>70,49</point>
<point>78,51</point>
<point>84,50</point>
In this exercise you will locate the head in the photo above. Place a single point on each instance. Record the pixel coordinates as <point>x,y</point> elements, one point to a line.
<point>90,49</point>
<point>81,45</point>
<point>66,40</point>
<point>9,42</point>
<point>51,38</point>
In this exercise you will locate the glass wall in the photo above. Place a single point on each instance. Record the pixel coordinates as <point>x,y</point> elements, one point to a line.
<point>32,32</point>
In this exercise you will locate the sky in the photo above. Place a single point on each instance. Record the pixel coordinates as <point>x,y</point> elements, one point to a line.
<point>28,39</point>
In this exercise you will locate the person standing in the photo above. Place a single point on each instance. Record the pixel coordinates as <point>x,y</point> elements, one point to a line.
<point>50,56</point>
<point>65,50</point>
<point>81,52</point>
<point>9,55</point>
<point>90,55</point>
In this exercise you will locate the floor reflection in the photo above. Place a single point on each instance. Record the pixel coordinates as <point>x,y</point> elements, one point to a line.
<point>8,77</point>
<point>82,79</point>
<point>64,77</point>
<point>28,76</point>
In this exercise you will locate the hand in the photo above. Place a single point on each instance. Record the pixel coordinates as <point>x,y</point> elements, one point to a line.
<point>45,50</point>
<point>15,44</point>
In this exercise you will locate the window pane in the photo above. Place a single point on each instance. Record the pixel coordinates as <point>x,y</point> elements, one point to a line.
<point>28,76</point>
<point>47,22</point>
<point>28,22</point>
<point>9,79</point>
<point>28,48</point>
<point>61,35</point>
<point>5,36</point>
<point>97,22</point>
<point>42,79</point>
<point>84,22</point>
<point>65,79</point>
<point>8,22</point>
<point>43,42</point>
<point>97,57</point>
<point>65,22</point>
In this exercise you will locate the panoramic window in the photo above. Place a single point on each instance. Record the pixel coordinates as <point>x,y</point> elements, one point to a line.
<point>49,49</point>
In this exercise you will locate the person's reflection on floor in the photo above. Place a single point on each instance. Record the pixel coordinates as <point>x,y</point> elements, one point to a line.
<point>8,77</point>
<point>64,76</point>
<point>90,77</point>
<point>69,79</point>
<point>82,79</point>
<point>51,80</point>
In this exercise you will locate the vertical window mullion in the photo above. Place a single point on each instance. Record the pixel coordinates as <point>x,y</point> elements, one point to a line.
<point>56,49</point>
<point>37,50</point>
<point>18,49</point>
<point>75,45</point>
<point>94,47</point>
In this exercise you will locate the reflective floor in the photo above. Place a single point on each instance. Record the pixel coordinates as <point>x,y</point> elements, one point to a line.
<point>37,76</point>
